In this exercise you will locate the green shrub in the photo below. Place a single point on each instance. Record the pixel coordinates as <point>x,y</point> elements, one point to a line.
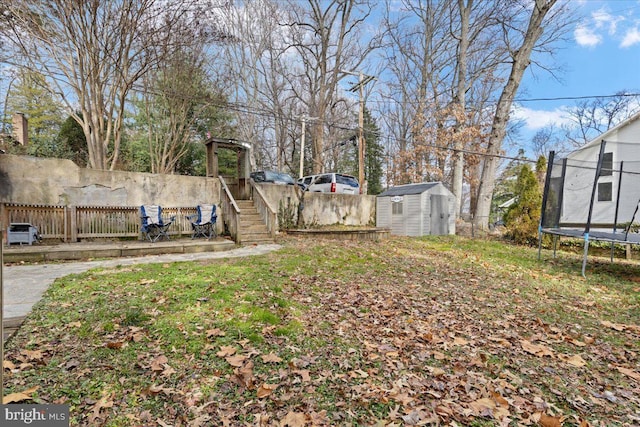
<point>523,217</point>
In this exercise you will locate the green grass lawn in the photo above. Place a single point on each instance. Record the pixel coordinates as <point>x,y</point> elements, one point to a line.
<point>432,331</point>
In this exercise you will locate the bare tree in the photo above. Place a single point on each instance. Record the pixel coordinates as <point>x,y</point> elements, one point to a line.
<point>93,53</point>
<point>419,55</point>
<point>591,118</point>
<point>543,25</point>
<point>329,42</point>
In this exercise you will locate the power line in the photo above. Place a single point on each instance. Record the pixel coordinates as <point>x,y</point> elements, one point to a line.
<point>576,98</point>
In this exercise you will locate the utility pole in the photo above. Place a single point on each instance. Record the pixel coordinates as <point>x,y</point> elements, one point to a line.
<point>304,132</point>
<point>362,81</point>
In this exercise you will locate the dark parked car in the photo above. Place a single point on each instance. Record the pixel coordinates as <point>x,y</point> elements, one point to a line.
<point>272,177</point>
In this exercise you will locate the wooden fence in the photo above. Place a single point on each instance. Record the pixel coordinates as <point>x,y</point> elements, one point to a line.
<point>72,223</point>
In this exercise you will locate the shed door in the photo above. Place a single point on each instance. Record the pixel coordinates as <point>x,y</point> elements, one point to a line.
<point>439,215</point>
<point>397,217</point>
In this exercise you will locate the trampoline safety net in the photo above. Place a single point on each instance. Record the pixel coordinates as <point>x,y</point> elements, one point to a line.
<point>597,187</point>
<point>593,194</point>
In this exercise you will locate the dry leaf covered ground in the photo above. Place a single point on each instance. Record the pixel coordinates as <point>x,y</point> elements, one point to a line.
<point>433,331</point>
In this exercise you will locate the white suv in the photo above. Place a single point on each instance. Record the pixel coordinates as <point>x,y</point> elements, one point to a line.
<point>331,183</point>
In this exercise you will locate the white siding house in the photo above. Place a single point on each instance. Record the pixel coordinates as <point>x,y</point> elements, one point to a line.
<point>417,210</point>
<point>614,192</point>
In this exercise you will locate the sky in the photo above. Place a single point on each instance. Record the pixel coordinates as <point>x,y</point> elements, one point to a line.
<point>601,57</point>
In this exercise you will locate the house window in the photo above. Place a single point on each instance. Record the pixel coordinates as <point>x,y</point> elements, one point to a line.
<point>607,165</point>
<point>605,192</point>
<point>396,208</point>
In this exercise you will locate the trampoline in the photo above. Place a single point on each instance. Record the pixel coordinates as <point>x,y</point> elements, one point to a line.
<point>592,194</point>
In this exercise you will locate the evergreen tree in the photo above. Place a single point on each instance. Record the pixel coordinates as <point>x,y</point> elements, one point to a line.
<point>523,217</point>
<point>71,143</point>
<point>31,96</point>
<point>374,154</point>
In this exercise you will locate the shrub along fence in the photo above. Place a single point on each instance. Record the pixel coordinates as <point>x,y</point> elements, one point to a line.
<point>73,223</point>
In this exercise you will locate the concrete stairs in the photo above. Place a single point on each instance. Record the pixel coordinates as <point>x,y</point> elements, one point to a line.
<point>252,227</point>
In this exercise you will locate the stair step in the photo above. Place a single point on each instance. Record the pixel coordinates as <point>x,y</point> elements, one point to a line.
<point>254,231</point>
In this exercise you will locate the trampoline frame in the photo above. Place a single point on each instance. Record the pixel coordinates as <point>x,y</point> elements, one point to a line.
<point>584,230</point>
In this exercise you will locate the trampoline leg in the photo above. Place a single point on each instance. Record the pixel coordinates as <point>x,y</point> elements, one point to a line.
<point>555,245</point>
<point>612,250</point>
<point>539,243</point>
<point>586,253</point>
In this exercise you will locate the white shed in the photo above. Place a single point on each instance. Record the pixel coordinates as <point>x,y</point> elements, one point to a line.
<point>417,210</point>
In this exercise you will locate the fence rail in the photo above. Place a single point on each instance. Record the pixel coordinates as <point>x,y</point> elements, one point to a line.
<point>71,223</point>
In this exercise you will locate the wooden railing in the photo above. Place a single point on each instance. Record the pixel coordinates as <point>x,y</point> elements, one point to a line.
<point>71,223</point>
<point>230,212</point>
<point>266,211</point>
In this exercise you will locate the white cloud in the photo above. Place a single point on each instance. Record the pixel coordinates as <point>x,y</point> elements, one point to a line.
<point>586,36</point>
<point>537,119</point>
<point>631,37</point>
<point>603,19</point>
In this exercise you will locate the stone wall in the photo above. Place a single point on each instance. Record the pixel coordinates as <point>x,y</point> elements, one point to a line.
<point>43,181</point>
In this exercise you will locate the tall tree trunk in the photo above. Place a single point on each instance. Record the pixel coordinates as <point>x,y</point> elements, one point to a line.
<point>521,60</point>
<point>463,47</point>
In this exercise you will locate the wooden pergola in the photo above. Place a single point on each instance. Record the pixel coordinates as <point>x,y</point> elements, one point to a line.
<point>244,166</point>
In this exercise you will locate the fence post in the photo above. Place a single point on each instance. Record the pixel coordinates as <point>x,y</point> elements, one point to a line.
<point>73,224</point>
<point>4,220</point>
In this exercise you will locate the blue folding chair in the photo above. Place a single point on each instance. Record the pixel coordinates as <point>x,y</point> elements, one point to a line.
<point>154,227</point>
<point>203,223</point>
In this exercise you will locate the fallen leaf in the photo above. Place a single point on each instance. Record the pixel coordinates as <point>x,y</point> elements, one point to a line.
<point>217,332</point>
<point>536,349</point>
<point>225,351</point>
<point>294,419</point>
<point>32,354</point>
<point>402,398</point>
<point>499,399</point>
<point>157,364</point>
<point>168,370</point>
<point>616,326</point>
<point>436,372</point>
<point>575,360</point>
<point>304,373</point>
<point>549,421</point>
<point>237,360</point>
<point>266,389</point>
<point>114,345</point>
<point>101,404</point>
<point>460,341</point>
<point>439,356</point>
<point>20,396</point>
<point>271,358</point>
<point>629,372</point>
<point>243,375</point>
<point>6,364</point>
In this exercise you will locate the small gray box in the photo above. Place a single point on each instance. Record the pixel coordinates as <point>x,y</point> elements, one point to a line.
<point>22,233</point>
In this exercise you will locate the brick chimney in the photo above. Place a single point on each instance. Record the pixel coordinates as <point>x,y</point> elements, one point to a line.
<point>20,128</point>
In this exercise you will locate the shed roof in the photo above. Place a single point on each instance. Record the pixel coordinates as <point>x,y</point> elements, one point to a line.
<point>408,189</point>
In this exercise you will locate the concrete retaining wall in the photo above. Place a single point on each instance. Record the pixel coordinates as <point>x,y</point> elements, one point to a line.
<point>42,181</point>
<point>322,208</point>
